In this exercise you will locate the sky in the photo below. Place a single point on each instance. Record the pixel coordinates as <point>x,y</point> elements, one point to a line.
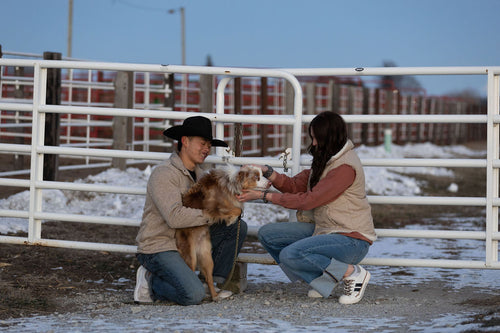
<point>263,33</point>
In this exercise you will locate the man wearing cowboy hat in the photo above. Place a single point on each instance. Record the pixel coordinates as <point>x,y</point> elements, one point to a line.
<point>163,274</point>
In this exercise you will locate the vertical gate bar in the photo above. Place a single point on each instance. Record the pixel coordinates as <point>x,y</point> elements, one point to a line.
<point>147,105</point>
<point>37,138</point>
<point>491,172</point>
<point>219,109</point>
<point>297,129</point>
<point>89,118</point>
<point>237,128</point>
<point>264,135</point>
<point>70,102</point>
<point>297,126</point>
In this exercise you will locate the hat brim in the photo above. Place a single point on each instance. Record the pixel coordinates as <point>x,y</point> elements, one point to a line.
<point>177,132</point>
<point>219,143</point>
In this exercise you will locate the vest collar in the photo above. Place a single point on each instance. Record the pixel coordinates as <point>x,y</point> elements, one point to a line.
<point>348,146</point>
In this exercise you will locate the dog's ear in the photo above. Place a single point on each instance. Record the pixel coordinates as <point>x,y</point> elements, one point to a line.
<point>242,174</point>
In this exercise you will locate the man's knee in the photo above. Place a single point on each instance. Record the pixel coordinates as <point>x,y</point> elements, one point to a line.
<point>192,297</point>
<point>243,229</point>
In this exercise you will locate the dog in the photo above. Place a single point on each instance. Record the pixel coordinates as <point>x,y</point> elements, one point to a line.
<point>215,194</point>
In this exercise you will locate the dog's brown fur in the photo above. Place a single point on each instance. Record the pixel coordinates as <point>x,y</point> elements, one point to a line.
<point>214,193</point>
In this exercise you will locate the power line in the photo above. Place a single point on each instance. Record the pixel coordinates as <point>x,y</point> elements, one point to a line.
<point>148,8</point>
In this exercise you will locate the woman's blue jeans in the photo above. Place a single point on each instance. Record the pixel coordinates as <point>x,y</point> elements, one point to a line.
<point>320,260</point>
<point>173,280</point>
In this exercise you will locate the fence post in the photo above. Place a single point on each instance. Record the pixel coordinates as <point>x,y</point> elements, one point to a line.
<point>169,100</point>
<point>206,93</point>
<point>438,127</point>
<point>122,126</point>
<point>19,93</point>
<point>52,120</point>
<point>389,109</point>
<point>351,109</point>
<point>330,95</point>
<point>454,129</point>
<point>419,100</point>
<point>335,101</point>
<point>395,107</point>
<point>310,98</point>
<point>377,126</point>
<point>463,127</point>
<point>366,110</point>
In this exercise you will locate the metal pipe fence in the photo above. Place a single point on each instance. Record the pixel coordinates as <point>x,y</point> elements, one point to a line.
<point>91,87</point>
<point>79,89</point>
<point>37,150</point>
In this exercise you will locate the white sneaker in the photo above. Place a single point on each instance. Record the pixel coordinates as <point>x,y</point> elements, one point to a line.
<point>354,286</point>
<point>314,294</point>
<point>142,291</point>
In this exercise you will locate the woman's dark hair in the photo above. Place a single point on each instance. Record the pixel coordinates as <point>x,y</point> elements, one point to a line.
<point>330,131</point>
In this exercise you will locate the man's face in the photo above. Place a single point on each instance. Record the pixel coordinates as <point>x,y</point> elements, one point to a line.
<point>197,148</point>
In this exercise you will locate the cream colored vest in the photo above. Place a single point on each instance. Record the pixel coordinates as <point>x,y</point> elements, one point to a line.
<point>350,212</point>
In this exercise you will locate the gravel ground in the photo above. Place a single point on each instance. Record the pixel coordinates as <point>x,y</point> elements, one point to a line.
<point>277,307</point>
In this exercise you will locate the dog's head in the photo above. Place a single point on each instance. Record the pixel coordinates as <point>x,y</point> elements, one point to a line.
<point>250,177</point>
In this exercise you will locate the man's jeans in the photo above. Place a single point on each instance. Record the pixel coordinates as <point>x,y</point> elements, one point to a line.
<point>173,280</point>
<point>320,260</point>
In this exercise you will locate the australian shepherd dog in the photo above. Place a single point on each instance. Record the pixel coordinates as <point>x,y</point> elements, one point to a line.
<point>215,194</point>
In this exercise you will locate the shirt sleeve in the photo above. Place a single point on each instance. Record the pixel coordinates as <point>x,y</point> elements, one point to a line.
<point>165,190</point>
<point>295,184</point>
<point>327,190</point>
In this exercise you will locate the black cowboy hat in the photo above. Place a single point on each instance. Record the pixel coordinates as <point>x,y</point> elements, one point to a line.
<point>194,126</point>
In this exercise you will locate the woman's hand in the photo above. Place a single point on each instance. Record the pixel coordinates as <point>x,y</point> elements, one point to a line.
<point>265,168</point>
<point>248,195</point>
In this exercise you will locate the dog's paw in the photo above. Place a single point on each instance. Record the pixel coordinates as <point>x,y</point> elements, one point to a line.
<point>223,294</point>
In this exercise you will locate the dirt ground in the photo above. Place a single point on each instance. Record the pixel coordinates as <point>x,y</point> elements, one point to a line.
<point>34,278</point>
<point>42,280</point>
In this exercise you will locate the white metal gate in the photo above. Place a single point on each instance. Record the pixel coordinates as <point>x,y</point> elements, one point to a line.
<point>37,150</point>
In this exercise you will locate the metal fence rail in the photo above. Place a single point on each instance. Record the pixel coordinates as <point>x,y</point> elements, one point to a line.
<point>37,150</point>
<point>89,87</point>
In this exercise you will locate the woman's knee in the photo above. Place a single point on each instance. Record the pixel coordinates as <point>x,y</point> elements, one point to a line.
<point>288,255</point>
<point>262,232</point>
<point>271,229</point>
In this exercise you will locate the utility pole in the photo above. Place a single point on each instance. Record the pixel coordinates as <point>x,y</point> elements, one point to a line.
<point>183,35</point>
<point>183,32</point>
<point>183,55</point>
<point>70,27</point>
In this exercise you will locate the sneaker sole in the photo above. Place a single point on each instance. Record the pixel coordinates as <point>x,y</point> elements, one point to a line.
<point>314,294</point>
